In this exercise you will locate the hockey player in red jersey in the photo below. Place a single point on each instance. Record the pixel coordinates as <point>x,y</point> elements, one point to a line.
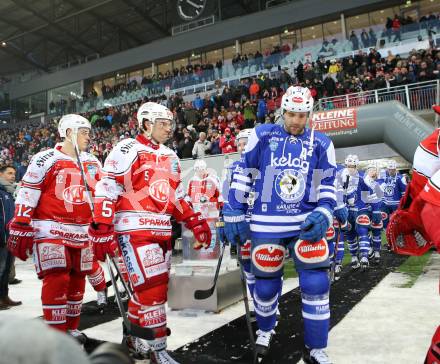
<point>51,220</point>
<point>139,194</point>
<point>203,187</point>
<point>413,229</point>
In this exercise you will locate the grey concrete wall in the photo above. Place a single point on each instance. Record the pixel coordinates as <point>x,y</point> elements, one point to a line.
<point>297,13</point>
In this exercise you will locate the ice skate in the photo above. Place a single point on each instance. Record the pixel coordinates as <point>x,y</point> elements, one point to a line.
<point>364,263</point>
<point>315,356</point>
<point>338,271</point>
<point>80,337</point>
<point>161,357</point>
<point>101,301</point>
<point>138,348</point>
<point>262,343</point>
<point>355,263</point>
<point>376,258</point>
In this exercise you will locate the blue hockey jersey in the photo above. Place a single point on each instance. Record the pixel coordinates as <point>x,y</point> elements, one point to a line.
<point>292,175</point>
<point>393,188</point>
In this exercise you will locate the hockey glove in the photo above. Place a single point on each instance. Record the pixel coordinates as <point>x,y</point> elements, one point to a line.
<point>220,228</point>
<point>315,226</point>
<point>236,226</point>
<point>20,240</point>
<point>376,217</point>
<point>341,215</point>
<point>102,237</point>
<point>201,230</point>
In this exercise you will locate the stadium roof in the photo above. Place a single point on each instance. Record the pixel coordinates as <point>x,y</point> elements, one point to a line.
<point>40,34</point>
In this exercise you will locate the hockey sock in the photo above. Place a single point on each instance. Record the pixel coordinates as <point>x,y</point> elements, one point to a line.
<point>133,311</point>
<point>266,295</point>
<point>315,286</point>
<point>97,278</point>
<point>340,248</point>
<point>154,317</point>
<point>377,239</point>
<point>54,299</point>
<point>364,245</point>
<point>75,295</point>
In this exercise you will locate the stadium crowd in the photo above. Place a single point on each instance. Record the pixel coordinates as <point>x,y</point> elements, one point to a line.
<point>208,124</point>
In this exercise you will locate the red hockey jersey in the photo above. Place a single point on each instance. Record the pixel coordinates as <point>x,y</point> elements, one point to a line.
<point>141,189</point>
<point>53,198</point>
<point>205,189</point>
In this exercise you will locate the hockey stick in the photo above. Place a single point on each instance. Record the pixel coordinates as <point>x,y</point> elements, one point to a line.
<point>135,330</point>
<point>203,294</point>
<point>246,305</point>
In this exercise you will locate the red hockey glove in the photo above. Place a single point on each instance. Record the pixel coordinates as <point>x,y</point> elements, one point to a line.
<point>20,240</point>
<point>200,229</point>
<point>406,235</point>
<point>102,236</point>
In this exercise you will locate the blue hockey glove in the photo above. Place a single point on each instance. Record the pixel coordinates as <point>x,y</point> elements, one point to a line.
<point>376,217</point>
<point>316,224</point>
<point>220,228</point>
<point>341,215</point>
<point>236,227</point>
<point>352,214</point>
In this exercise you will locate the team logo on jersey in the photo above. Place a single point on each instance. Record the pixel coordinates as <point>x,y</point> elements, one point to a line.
<point>273,145</point>
<point>290,185</point>
<point>269,258</point>
<point>92,170</point>
<point>75,194</point>
<point>312,253</point>
<point>389,190</point>
<point>160,190</point>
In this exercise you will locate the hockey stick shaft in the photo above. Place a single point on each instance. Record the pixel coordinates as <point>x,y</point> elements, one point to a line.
<point>246,302</point>
<point>202,294</point>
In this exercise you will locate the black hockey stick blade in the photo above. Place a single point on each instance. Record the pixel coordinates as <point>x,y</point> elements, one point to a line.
<point>203,294</point>
<point>131,329</point>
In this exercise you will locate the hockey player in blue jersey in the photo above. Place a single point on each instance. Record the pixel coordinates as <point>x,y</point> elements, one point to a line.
<point>394,186</point>
<point>340,222</point>
<point>293,172</point>
<point>375,201</point>
<point>351,175</point>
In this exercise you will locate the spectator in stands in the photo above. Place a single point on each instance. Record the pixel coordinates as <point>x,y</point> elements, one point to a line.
<point>373,38</point>
<point>396,28</point>
<point>261,110</point>
<point>21,170</point>
<point>254,90</point>
<point>215,142</point>
<point>354,40</point>
<point>186,145</point>
<point>227,142</point>
<point>285,79</point>
<point>201,146</point>
<point>425,72</point>
<point>329,85</point>
<point>365,39</point>
<point>333,69</point>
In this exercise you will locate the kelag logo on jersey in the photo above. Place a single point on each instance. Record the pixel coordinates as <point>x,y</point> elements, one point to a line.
<point>75,194</point>
<point>289,161</point>
<point>290,185</point>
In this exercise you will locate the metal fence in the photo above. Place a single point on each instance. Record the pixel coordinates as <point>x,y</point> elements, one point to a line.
<point>417,96</point>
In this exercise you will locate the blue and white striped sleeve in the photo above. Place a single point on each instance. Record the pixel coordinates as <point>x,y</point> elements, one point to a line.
<point>243,175</point>
<point>326,188</point>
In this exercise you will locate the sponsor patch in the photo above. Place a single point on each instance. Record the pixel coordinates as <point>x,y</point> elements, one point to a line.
<point>52,256</point>
<point>86,259</point>
<point>363,220</point>
<point>330,234</point>
<point>245,250</point>
<point>269,258</point>
<point>312,253</point>
<point>384,215</point>
<point>131,264</point>
<point>153,260</point>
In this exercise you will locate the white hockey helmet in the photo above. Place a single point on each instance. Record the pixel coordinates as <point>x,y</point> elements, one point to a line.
<point>152,111</point>
<point>73,122</point>
<point>391,164</point>
<point>243,134</point>
<point>297,99</point>
<point>352,160</point>
<point>199,165</point>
